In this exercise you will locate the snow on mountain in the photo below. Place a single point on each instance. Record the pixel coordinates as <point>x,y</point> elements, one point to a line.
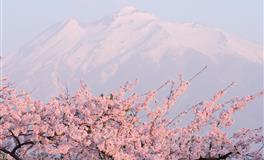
<point>134,44</point>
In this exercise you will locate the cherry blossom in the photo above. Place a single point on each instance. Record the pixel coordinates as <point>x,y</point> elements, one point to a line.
<point>123,125</point>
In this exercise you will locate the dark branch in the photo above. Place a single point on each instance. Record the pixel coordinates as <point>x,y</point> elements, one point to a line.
<point>10,153</point>
<point>217,158</point>
<point>22,144</point>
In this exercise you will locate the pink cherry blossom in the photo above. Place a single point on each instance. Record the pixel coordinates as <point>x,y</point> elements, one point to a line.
<point>123,125</point>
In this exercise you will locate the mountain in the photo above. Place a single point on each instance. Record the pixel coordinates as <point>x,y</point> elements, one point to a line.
<point>132,44</point>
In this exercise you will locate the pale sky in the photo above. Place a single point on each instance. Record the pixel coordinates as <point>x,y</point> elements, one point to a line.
<point>24,19</point>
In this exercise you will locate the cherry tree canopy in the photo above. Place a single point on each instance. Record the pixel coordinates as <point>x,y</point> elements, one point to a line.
<point>123,125</point>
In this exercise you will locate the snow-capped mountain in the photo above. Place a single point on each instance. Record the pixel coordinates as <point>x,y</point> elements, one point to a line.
<point>132,44</point>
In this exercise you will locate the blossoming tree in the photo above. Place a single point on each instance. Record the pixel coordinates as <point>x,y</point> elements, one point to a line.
<point>84,126</point>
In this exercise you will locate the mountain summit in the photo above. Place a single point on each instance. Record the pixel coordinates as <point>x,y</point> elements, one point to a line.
<point>127,10</point>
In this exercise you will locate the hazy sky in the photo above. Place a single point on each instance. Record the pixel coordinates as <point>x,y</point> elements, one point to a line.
<point>24,19</point>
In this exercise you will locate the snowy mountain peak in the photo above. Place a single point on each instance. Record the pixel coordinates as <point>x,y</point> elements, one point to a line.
<point>129,41</point>
<point>127,10</point>
<point>130,13</point>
